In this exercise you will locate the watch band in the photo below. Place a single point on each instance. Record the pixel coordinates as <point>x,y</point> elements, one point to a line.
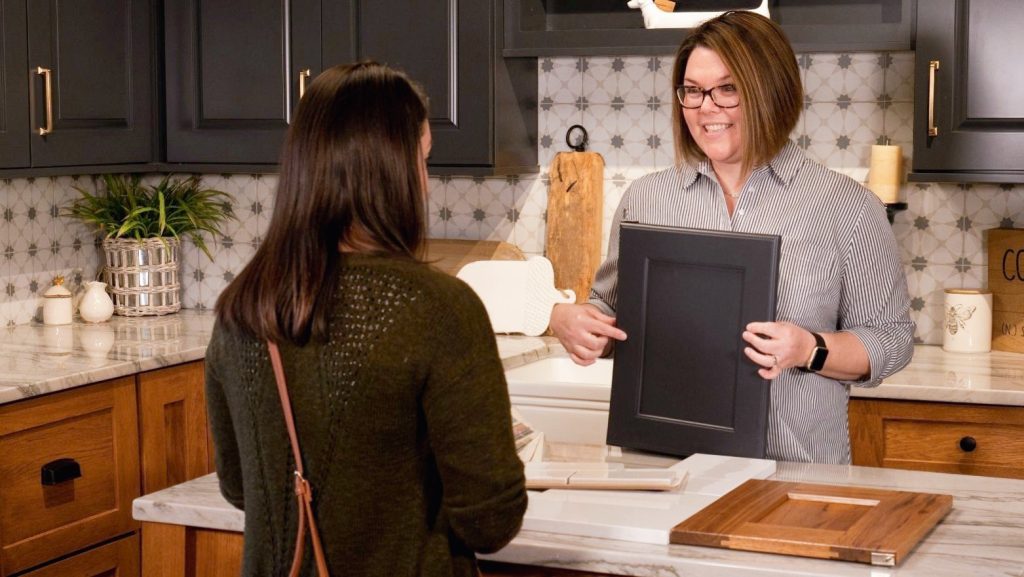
<point>819,353</point>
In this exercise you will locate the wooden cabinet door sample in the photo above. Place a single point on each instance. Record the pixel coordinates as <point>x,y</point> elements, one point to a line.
<point>100,62</point>
<point>172,420</point>
<point>860,524</point>
<point>96,427</point>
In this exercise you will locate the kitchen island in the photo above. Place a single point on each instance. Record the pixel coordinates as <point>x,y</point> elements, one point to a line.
<point>191,525</point>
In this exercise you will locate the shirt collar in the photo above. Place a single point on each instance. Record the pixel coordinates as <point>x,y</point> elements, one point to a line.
<point>784,166</point>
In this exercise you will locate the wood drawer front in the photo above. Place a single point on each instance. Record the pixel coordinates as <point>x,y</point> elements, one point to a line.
<point>97,427</point>
<point>117,559</point>
<point>927,437</point>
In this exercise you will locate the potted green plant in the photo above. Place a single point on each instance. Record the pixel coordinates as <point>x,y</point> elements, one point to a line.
<point>142,227</point>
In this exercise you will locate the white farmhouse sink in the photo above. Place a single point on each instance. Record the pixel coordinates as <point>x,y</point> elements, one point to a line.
<point>559,377</point>
<point>565,401</point>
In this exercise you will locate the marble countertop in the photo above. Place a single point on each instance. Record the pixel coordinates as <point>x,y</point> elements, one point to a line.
<point>995,378</point>
<point>982,536</point>
<point>36,359</point>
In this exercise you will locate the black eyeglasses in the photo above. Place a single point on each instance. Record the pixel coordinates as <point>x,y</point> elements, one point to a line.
<point>724,96</point>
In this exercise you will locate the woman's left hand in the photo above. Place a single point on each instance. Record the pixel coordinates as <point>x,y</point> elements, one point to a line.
<point>777,346</point>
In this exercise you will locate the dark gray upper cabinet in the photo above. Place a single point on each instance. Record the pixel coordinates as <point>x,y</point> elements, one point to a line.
<point>233,72</point>
<point>483,107</point>
<point>606,27</point>
<point>77,83</point>
<point>969,93</point>
<point>14,147</point>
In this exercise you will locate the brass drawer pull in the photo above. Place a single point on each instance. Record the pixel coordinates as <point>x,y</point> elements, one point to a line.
<point>968,444</point>
<point>59,471</point>
<point>933,130</point>
<point>304,75</point>
<point>47,75</point>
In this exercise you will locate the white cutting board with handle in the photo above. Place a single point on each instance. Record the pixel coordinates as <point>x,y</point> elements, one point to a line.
<point>518,295</point>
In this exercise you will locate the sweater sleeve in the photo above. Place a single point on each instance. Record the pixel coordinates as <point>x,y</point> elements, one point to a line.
<point>225,445</point>
<point>469,423</point>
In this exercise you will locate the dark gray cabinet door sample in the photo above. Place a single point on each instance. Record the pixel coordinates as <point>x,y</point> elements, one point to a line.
<point>232,76</point>
<point>14,149</point>
<point>975,92</point>
<point>482,106</point>
<point>99,56</point>
<point>681,383</point>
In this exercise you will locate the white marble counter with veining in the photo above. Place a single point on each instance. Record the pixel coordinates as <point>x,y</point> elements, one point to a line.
<point>36,359</point>
<point>995,378</point>
<point>982,536</point>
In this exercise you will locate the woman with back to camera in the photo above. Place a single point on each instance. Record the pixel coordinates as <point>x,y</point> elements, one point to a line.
<point>397,389</point>
<point>843,308</point>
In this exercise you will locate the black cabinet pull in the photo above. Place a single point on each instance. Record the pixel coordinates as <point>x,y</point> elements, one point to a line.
<point>968,444</point>
<point>59,471</point>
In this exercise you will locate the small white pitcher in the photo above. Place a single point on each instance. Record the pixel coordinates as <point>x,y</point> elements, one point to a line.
<point>96,305</point>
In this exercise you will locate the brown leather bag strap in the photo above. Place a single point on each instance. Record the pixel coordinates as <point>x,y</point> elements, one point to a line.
<point>303,491</point>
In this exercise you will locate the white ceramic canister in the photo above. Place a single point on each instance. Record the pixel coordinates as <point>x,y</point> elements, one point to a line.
<point>967,321</point>
<point>57,304</point>
<point>95,306</point>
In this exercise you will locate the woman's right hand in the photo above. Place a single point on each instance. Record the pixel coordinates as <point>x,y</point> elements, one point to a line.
<point>584,331</point>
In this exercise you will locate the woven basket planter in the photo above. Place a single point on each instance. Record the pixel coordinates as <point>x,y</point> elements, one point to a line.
<point>142,275</point>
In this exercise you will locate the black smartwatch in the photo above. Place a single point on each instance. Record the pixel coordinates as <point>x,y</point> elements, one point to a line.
<point>818,355</point>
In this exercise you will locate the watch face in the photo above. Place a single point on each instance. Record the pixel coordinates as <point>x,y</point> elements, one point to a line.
<point>818,359</point>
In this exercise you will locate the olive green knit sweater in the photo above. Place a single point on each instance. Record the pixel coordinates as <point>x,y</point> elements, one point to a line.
<point>403,417</point>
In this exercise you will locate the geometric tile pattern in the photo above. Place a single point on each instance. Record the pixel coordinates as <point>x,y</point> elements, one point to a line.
<point>852,101</point>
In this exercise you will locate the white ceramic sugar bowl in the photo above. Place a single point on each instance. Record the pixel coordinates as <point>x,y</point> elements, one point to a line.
<point>96,305</point>
<point>57,304</point>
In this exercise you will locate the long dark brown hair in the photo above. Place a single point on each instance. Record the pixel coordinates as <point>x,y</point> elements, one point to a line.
<point>350,160</point>
<point>765,71</point>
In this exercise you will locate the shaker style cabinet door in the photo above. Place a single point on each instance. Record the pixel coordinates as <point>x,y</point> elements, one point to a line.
<point>89,70</point>
<point>233,74</point>
<point>14,150</point>
<point>483,107</point>
<point>969,95</point>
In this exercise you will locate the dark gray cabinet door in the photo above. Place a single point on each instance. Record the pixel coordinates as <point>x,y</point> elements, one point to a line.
<point>969,111</point>
<point>482,106</point>
<point>14,150</point>
<point>232,76</point>
<point>99,56</point>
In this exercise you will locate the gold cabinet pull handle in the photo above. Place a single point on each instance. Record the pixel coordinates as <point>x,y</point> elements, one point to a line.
<point>303,75</point>
<point>932,67</point>
<point>48,91</point>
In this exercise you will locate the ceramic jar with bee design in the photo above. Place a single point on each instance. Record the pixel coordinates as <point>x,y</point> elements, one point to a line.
<point>967,321</point>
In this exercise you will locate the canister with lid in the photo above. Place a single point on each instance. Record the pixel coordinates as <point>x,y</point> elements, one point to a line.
<point>57,304</point>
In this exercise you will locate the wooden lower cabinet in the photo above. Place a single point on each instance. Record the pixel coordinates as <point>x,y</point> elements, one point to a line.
<point>69,470</point>
<point>72,462</point>
<point>117,559</point>
<point>941,437</point>
<point>174,438</point>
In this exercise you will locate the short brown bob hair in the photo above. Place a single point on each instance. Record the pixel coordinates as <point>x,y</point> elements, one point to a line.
<point>765,72</point>
<point>351,159</point>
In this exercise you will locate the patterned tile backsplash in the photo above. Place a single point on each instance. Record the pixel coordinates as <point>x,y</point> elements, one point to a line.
<point>853,101</point>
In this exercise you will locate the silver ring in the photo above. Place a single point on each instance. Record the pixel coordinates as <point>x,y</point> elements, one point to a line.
<point>775,361</point>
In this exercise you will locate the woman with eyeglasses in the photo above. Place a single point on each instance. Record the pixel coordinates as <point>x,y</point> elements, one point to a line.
<point>843,307</point>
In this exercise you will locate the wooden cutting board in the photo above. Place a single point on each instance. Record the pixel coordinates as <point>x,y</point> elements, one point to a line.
<point>1006,281</point>
<point>450,255</point>
<point>575,213</point>
<point>860,524</point>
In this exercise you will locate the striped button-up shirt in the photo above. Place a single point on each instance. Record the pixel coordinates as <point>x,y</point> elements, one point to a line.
<point>839,270</point>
